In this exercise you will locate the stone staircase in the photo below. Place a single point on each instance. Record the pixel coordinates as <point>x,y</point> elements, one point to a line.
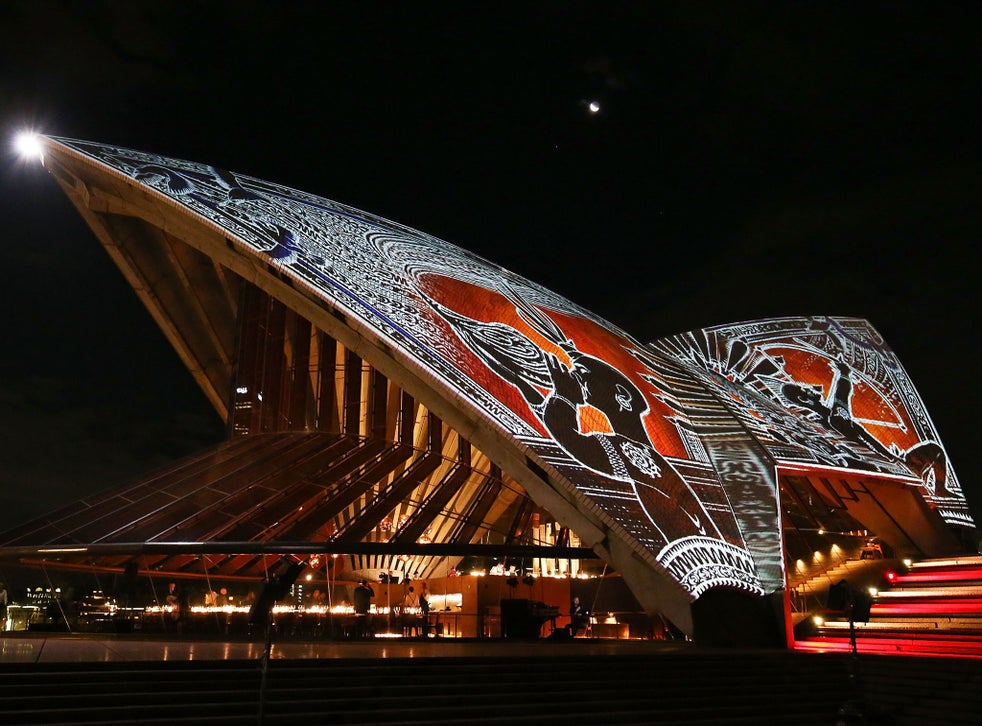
<point>933,607</point>
<point>811,594</point>
<point>690,686</point>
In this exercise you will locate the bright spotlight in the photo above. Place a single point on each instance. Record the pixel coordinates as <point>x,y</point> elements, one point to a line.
<point>28,145</point>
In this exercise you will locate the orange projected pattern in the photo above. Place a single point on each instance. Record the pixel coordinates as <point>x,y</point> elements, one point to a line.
<point>850,403</point>
<point>673,444</point>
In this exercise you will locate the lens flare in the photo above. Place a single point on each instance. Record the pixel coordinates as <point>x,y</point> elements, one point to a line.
<point>28,145</point>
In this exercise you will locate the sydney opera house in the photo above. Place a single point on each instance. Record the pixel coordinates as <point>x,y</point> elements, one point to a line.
<point>398,405</point>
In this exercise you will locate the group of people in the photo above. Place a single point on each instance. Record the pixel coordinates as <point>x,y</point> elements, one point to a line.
<point>217,599</point>
<point>414,604</point>
<point>415,609</point>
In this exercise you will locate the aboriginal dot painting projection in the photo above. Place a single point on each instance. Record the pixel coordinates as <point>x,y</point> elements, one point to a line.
<point>676,446</point>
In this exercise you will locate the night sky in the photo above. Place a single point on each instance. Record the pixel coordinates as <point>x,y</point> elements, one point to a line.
<point>748,160</point>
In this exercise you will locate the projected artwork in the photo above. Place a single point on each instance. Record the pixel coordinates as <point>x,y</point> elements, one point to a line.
<point>661,439</point>
<point>852,405</point>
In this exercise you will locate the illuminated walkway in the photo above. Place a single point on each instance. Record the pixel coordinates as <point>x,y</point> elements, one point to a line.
<point>931,608</point>
<point>62,648</point>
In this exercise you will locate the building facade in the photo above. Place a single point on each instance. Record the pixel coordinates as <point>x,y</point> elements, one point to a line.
<point>383,387</point>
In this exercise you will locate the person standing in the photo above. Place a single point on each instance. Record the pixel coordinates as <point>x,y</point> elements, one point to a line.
<point>3,607</point>
<point>411,601</point>
<point>424,608</point>
<point>410,612</point>
<point>577,617</point>
<point>363,600</point>
<point>172,599</point>
<point>178,606</point>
